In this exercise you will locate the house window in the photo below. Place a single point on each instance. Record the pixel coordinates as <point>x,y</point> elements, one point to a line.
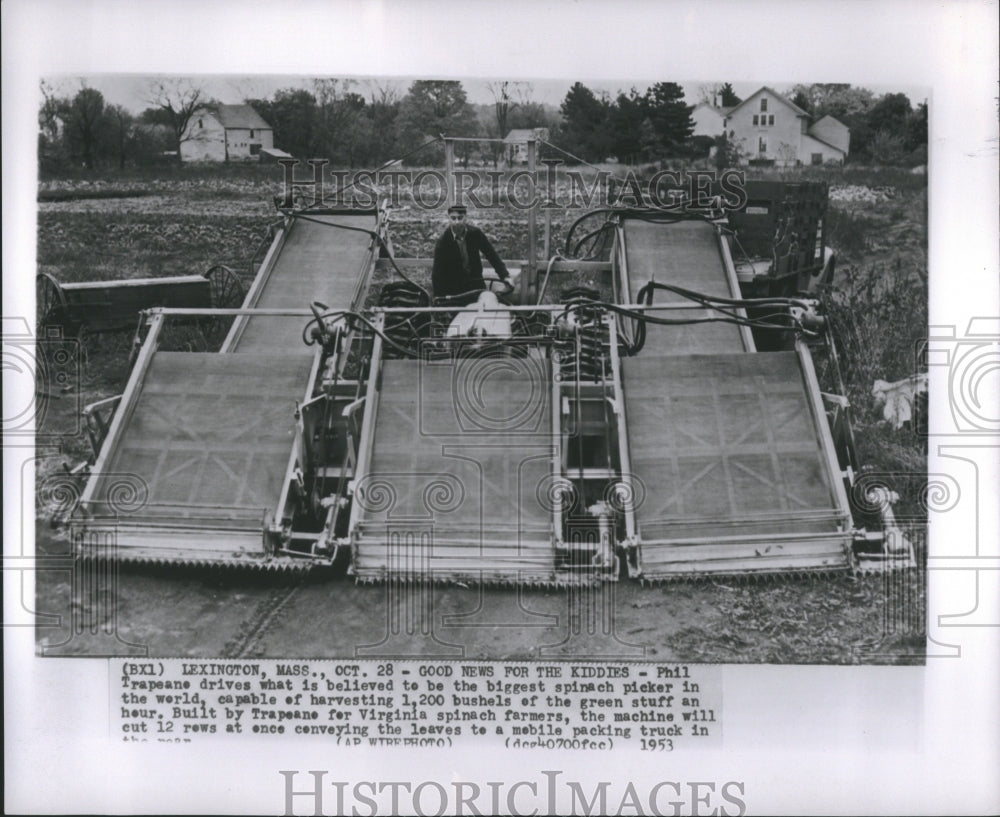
<point>755,119</point>
<point>817,158</point>
<point>763,105</point>
<point>255,149</point>
<point>770,119</point>
<point>201,124</point>
<point>762,145</point>
<point>251,133</point>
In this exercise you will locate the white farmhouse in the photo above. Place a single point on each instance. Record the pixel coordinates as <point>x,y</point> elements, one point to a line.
<point>517,143</point>
<point>770,129</point>
<point>709,120</point>
<point>225,133</point>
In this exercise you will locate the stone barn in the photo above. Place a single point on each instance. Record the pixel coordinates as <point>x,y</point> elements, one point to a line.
<point>226,133</point>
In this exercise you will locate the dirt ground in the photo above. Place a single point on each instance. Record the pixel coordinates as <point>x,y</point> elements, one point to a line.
<point>174,612</point>
<point>836,619</point>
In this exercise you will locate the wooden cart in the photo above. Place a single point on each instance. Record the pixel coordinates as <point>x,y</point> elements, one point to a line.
<point>111,306</point>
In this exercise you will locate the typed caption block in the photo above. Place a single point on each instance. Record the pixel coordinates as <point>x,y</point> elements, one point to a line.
<point>651,707</point>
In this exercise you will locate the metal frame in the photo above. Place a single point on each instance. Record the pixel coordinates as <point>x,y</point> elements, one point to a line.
<point>367,430</point>
<point>624,453</point>
<point>557,452</point>
<point>532,144</point>
<point>819,418</point>
<point>259,282</point>
<point>734,287</point>
<point>147,539</point>
<point>559,265</point>
<point>297,455</point>
<point>625,285</point>
<point>97,425</point>
<point>125,409</point>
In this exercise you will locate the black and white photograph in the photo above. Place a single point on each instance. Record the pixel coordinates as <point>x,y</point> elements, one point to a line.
<point>397,418</point>
<point>676,415</point>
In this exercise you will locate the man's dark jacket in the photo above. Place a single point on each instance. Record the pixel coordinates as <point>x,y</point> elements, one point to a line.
<point>449,277</point>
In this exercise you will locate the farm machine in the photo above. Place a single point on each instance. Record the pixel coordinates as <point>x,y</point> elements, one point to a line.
<point>668,424</point>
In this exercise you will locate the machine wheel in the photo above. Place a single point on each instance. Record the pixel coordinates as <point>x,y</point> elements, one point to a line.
<point>50,302</point>
<point>227,288</point>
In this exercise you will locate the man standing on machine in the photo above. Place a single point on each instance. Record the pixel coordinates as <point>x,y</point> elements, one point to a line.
<point>458,268</point>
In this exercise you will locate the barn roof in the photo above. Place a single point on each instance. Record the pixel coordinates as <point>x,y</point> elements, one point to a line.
<point>820,139</point>
<point>239,116</point>
<point>524,134</point>
<point>780,97</point>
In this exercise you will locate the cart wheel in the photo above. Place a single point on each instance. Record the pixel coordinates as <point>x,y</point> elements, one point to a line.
<point>50,302</point>
<point>227,288</point>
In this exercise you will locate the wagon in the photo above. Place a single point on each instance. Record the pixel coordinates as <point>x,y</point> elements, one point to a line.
<point>110,306</point>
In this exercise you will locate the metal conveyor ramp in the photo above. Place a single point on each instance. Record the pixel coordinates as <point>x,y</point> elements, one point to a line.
<point>206,438</point>
<point>209,437</point>
<point>733,459</point>
<point>315,261</point>
<point>732,446</point>
<point>689,254</point>
<point>461,456</point>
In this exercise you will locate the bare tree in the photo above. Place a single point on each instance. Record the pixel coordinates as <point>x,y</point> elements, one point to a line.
<point>383,93</point>
<point>507,97</point>
<point>49,120</point>
<point>527,113</point>
<point>710,93</point>
<point>524,93</point>
<point>178,99</point>
<point>787,153</point>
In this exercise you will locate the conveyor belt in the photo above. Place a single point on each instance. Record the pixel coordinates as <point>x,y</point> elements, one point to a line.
<point>685,254</point>
<point>209,436</point>
<point>733,462</point>
<point>317,263</point>
<point>461,460</point>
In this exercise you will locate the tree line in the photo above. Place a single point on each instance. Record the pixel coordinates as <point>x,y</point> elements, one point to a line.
<point>368,123</point>
<point>886,129</point>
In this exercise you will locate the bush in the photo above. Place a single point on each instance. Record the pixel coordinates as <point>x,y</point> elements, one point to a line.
<point>879,318</point>
<point>917,156</point>
<point>848,232</point>
<point>887,148</point>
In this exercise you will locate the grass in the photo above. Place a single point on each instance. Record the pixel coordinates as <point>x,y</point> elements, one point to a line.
<point>93,246</point>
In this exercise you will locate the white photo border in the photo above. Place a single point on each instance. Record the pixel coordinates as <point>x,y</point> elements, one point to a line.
<point>918,740</point>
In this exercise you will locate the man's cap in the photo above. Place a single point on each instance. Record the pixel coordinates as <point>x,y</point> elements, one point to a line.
<point>460,209</point>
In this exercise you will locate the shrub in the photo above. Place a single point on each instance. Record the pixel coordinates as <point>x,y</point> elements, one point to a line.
<point>879,317</point>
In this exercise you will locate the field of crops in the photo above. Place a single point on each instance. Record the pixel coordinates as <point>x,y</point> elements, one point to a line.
<point>188,219</point>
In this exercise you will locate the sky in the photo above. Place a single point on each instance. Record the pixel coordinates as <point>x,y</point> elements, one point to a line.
<point>131,90</point>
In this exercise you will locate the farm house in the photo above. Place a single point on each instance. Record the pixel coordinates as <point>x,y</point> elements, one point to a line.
<point>226,133</point>
<point>773,130</point>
